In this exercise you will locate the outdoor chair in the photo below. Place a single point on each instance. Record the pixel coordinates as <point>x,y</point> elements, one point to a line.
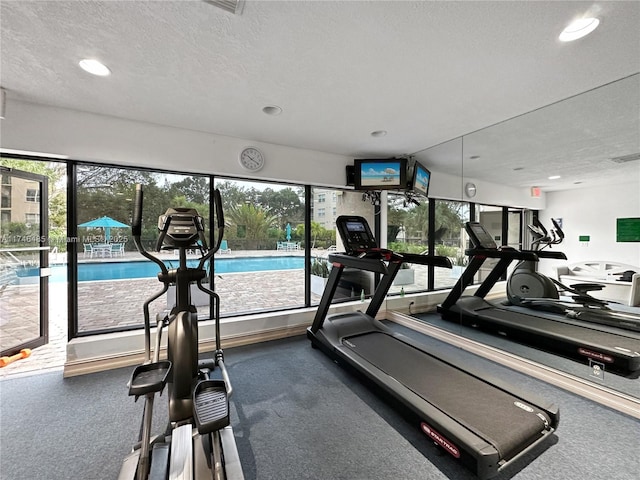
<point>117,249</point>
<point>224,247</point>
<point>88,249</point>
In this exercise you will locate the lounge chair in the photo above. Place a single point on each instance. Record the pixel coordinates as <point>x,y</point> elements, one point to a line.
<point>224,247</point>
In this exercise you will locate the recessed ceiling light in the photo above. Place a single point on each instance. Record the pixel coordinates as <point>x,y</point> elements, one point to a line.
<point>379,133</point>
<point>578,29</point>
<point>94,67</point>
<point>272,110</point>
<point>554,177</point>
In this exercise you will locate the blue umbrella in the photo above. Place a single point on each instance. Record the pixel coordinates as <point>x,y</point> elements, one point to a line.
<point>104,222</point>
<point>288,229</point>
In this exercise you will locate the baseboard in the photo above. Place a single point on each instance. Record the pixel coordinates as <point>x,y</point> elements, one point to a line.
<point>86,366</point>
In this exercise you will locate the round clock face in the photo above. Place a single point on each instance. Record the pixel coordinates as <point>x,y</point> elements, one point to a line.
<point>470,190</point>
<point>251,159</point>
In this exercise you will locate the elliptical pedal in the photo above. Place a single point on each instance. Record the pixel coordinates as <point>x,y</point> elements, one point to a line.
<point>211,406</point>
<point>149,378</point>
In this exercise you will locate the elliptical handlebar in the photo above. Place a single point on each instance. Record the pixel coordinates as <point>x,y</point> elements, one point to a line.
<point>557,229</point>
<point>136,229</point>
<point>217,202</point>
<point>543,236</point>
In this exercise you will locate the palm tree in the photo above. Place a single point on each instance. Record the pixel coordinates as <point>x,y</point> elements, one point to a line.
<point>252,224</point>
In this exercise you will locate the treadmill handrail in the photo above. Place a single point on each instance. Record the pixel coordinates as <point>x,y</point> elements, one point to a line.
<point>512,254</point>
<point>373,264</point>
<point>368,264</point>
<point>435,260</point>
<point>549,254</point>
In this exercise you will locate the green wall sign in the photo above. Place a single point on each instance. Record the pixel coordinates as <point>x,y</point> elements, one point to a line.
<point>584,238</point>
<point>628,230</point>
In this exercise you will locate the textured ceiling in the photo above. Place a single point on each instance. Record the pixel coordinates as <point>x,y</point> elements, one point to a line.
<point>424,71</point>
<point>575,139</point>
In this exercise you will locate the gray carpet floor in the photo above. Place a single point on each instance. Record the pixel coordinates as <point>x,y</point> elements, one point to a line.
<point>296,415</point>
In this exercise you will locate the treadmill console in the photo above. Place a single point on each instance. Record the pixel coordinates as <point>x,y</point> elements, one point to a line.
<point>479,236</point>
<point>355,234</point>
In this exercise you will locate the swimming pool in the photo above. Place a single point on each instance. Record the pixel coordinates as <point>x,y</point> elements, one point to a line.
<point>146,269</point>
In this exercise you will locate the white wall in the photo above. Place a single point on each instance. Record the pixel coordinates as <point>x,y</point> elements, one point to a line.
<point>593,212</point>
<point>87,136</point>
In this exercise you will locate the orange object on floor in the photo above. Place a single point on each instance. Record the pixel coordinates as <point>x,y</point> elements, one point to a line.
<point>24,353</point>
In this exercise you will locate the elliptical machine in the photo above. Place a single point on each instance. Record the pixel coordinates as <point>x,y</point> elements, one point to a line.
<point>528,288</point>
<point>525,285</point>
<point>198,442</point>
<point>525,281</point>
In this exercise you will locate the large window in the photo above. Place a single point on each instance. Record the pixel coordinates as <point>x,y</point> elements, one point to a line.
<point>260,267</point>
<point>491,217</point>
<point>263,266</point>
<point>114,280</point>
<point>408,230</point>
<point>450,240</point>
<point>324,240</point>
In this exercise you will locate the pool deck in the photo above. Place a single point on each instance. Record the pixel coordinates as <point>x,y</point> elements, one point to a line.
<point>99,299</point>
<point>99,304</point>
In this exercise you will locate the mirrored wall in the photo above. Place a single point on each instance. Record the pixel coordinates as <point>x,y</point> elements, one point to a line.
<point>583,147</point>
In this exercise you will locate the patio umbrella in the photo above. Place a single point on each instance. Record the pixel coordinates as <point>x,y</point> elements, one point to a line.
<point>104,222</point>
<point>288,229</point>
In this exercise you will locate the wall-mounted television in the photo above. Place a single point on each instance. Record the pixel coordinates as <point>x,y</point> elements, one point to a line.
<point>420,179</point>
<point>380,174</point>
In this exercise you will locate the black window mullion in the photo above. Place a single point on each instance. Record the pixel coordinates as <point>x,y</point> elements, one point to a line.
<point>72,249</point>
<point>431,244</point>
<point>307,245</point>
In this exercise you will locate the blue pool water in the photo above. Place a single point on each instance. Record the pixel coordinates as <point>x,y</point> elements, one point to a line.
<point>148,269</point>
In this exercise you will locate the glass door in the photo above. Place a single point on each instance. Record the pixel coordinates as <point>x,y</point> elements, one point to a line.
<point>24,261</point>
<point>515,229</point>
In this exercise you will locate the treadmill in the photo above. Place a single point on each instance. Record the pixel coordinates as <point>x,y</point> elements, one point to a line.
<point>484,423</point>
<point>616,350</point>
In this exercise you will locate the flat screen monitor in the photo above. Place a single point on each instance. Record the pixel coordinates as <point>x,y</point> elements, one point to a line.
<point>421,179</point>
<point>380,174</point>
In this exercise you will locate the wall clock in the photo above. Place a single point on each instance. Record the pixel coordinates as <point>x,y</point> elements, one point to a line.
<point>251,159</point>
<point>470,190</point>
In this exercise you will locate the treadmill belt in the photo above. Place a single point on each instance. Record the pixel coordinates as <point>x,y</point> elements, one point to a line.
<point>547,326</point>
<point>484,409</point>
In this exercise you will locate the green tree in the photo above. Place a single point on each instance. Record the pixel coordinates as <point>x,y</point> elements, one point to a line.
<point>252,223</point>
<point>193,189</point>
<point>232,194</point>
<point>285,204</point>
<point>450,217</point>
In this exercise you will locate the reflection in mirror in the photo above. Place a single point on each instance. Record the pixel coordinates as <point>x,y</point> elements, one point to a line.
<point>583,139</point>
<point>592,141</point>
